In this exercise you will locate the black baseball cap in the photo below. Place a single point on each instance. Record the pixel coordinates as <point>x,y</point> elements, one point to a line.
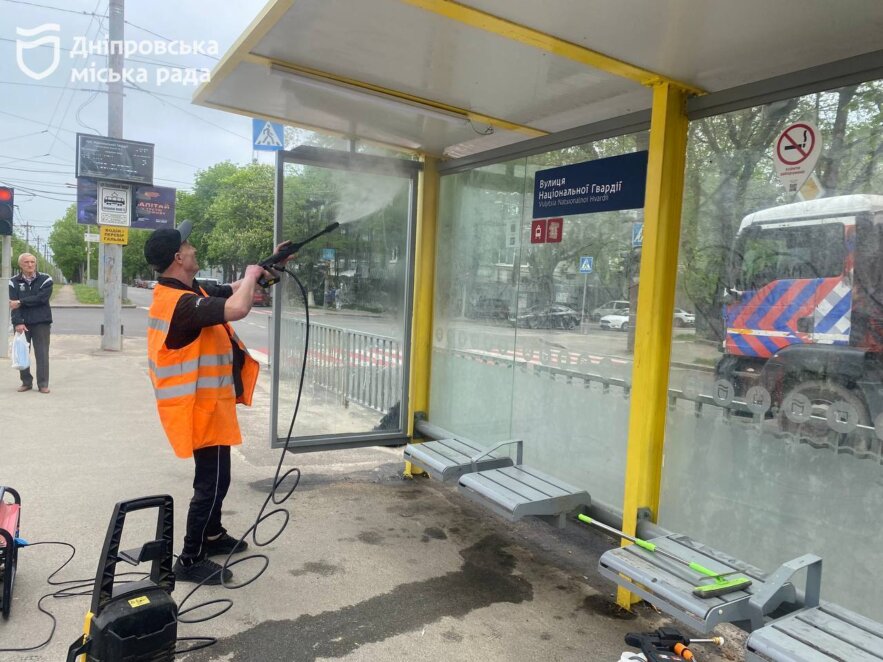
<point>161,246</point>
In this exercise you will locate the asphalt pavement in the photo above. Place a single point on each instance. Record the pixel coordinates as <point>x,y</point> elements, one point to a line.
<point>370,567</point>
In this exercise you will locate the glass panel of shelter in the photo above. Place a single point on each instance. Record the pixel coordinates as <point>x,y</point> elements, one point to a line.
<point>526,346</point>
<point>356,280</point>
<point>773,444</point>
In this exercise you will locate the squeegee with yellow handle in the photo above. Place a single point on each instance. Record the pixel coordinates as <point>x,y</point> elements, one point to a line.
<point>721,585</point>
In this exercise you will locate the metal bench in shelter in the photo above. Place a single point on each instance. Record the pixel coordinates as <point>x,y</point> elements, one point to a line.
<point>520,491</point>
<point>510,489</point>
<point>823,633</point>
<point>448,459</point>
<point>668,585</point>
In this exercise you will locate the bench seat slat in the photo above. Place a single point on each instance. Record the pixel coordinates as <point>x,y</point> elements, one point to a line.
<point>521,491</point>
<point>451,450</point>
<point>448,459</point>
<point>834,624</point>
<point>833,647</point>
<point>537,480</point>
<point>777,645</point>
<point>826,633</point>
<point>516,487</point>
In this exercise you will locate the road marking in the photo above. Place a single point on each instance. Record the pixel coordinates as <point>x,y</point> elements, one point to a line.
<point>259,356</point>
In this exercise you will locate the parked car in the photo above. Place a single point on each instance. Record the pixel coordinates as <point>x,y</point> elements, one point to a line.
<point>262,297</point>
<point>150,284</point>
<point>489,308</point>
<point>617,321</point>
<point>209,281</point>
<point>545,316</point>
<point>610,308</point>
<point>683,318</point>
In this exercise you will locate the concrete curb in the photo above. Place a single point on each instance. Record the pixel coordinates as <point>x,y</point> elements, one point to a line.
<point>86,305</point>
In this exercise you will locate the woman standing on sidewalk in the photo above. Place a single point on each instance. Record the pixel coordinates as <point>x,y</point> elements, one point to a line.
<point>29,294</point>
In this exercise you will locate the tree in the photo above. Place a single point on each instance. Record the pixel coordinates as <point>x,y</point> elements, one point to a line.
<point>69,245</point>
<point>241,218</point>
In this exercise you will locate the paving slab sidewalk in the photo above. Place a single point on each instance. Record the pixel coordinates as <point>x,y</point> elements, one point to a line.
<point>370,567</point>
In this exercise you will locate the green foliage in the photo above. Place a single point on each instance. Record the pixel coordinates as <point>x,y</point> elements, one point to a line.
<point>69,246</point>
<point>134,263</point>
<point>241,219</point>
<point>87,295</point>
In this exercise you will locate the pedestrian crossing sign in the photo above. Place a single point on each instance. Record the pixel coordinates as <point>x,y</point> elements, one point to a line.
<point>586,264</point>
<point>267,136</point>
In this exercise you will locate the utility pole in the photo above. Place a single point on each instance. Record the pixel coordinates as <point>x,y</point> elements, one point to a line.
<point>5,275</point>
<point>112,338</point>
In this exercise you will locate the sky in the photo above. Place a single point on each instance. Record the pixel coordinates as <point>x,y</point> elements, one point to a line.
<point>39,119</point>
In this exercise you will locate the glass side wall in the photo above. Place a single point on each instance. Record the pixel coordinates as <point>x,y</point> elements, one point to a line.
<point>773,441</point>
<point>526,346</point>
<point>356,280</point>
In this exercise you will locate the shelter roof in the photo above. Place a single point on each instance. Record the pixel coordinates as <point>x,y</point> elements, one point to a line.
<point>458,78</point>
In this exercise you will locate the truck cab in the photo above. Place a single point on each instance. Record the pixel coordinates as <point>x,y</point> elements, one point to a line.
<point>803,309</point>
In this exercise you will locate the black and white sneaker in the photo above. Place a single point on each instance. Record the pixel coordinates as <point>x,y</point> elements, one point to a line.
<point>201,572</point>
<point>224,546</point>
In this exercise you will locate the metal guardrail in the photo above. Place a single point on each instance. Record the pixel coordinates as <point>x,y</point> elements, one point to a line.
<point>584,370</point>
<point>361,368</point>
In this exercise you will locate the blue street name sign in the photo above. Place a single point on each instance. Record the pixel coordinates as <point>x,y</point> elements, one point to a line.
<point>608,184</point>
<point>586,264</point>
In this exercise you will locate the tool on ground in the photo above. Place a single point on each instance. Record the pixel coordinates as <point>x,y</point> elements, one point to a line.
<point>721,585</point>
<point>134,620</point>
<point>667,645</point>
<point>9,544</point>
<point>290,249</point>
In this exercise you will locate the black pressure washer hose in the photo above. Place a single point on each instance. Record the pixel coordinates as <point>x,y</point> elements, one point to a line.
<point>81,587</point>
<point>225,604</point>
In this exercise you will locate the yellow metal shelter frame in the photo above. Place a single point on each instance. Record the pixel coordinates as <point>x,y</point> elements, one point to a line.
<point>662,221</point>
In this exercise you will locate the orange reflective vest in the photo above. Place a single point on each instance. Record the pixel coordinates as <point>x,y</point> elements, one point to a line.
<point>194,388</point>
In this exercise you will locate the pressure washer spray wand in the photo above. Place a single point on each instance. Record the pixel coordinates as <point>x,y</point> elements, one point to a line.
<point>276,258</point>
<point>667,644</point>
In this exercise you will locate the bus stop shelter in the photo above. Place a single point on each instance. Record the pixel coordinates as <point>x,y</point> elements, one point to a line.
<point>435,93</point>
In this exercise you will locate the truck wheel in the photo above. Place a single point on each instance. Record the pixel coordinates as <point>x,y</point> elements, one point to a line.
<point>823,394</point>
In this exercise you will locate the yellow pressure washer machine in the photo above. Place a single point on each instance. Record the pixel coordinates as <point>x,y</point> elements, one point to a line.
<point>133,621</point>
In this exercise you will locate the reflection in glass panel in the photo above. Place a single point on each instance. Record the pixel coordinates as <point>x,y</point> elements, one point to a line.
<point>476,294</point>
<point>575,337</point>
<point>526,346</point>
<point>773,445</point>
<point>355,279</point>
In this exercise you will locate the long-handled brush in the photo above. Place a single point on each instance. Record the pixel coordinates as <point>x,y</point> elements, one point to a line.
<point>721,585</point>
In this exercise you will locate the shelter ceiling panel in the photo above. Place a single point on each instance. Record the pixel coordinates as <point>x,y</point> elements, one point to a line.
<point>712,44</point>
<point>255,90</point>
<point>399,47</point>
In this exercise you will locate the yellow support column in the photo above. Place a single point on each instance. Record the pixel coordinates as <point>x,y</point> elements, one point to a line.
<point>424,293</point>
<point>656,293</point>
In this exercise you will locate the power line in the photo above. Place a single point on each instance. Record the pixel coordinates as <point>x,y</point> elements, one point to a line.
<point>193,115</point>
<point>81,12</point>
<point>24,135</point>
<point>156,34</point>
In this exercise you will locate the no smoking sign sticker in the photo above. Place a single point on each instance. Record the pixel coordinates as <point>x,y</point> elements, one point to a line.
<point>797,151</point>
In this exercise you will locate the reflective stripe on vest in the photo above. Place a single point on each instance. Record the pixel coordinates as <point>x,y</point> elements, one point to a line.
<point>194,385</point>
<point>190,388</point>
<point>190,366</point>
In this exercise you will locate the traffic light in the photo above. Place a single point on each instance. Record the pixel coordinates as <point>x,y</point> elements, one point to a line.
<point>7,200</point>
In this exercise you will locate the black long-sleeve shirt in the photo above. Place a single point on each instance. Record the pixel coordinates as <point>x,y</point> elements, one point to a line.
<point>34,297</point>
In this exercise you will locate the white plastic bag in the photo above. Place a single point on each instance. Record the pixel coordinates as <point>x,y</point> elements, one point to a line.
<point>21,352</point>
